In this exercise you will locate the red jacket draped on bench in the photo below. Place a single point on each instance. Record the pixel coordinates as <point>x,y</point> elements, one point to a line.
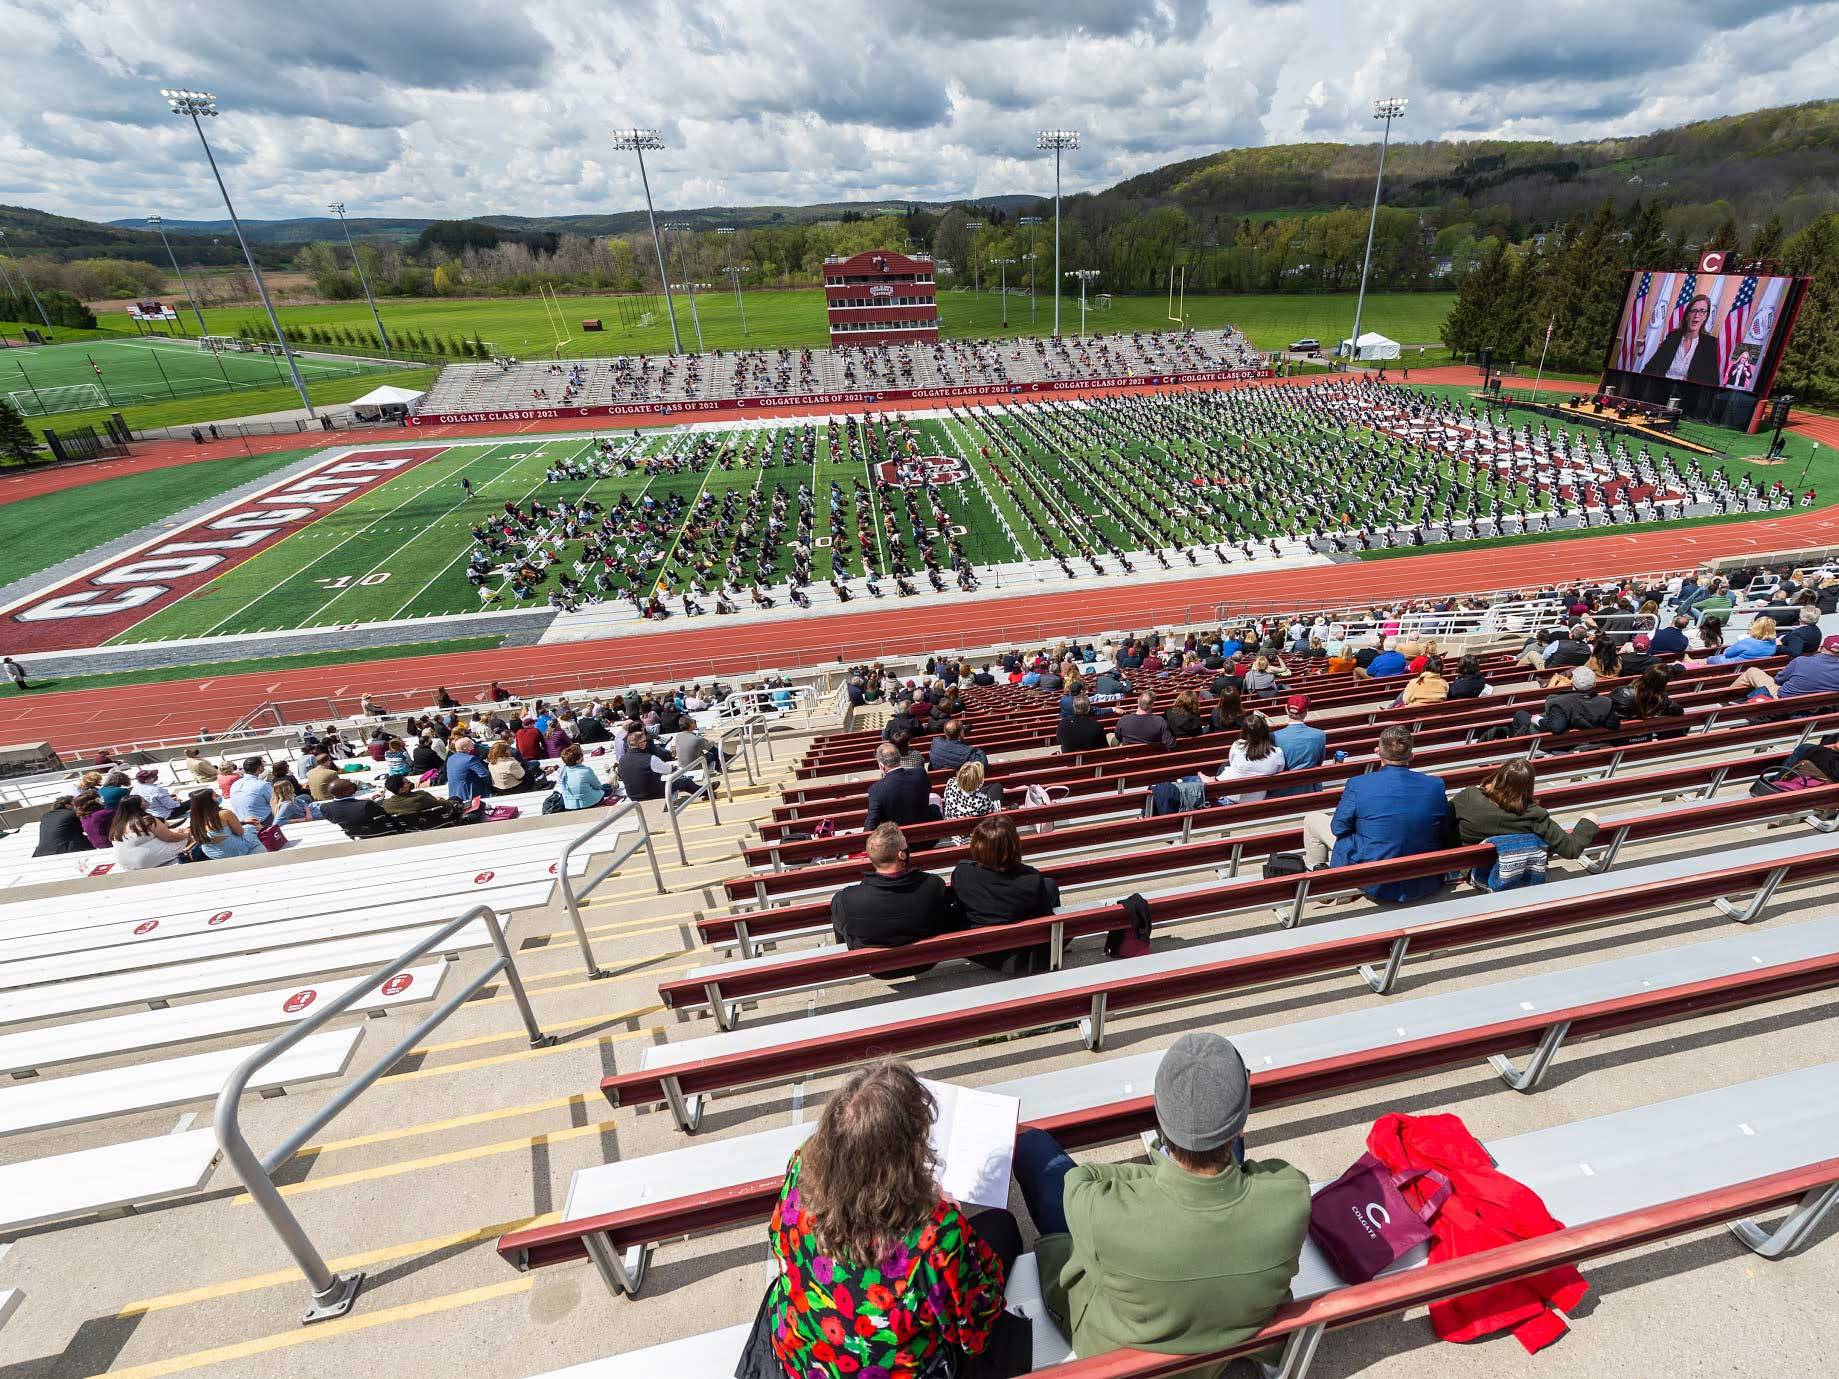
<point>1485,1210</point>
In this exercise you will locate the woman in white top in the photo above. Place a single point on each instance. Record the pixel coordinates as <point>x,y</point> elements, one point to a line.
<point>142,841</point>
<point>1255,754</point>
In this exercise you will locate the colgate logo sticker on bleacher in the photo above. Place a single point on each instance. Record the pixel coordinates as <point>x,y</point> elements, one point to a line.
<point>398,984</point>
<point>146,926</point>
<point>221,917</point>
<point>552,868</point>
<point>299,1001</point>
<point>483,877</point>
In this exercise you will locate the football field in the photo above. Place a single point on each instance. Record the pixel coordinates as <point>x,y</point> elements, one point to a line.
<point>43,380</point>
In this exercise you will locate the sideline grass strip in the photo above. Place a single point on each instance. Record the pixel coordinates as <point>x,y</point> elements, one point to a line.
<point>224,669</point>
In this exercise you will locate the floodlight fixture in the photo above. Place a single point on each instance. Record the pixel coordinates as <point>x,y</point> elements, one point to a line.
<point>338,209</point>
<point>194,105</point>
<point>1059,140</point>
<point>1085,275</point>
<point>638,141</point>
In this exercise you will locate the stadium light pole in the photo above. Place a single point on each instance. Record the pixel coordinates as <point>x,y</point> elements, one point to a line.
<point>191,296</point>
<point>733,270</point>
<point>1059,140</point>
<point>194,105</point>
<point>338,209</point>
<point>31,291</point>
<point>976,272</point>
<point>638,140</point>
<point>1085,275</point>
<point>693,288</point>
<point>1030,221</point>
<point>1002,268</point>
<point>1388,110</point>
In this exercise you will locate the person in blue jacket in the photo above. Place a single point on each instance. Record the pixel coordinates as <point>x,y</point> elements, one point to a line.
<point>467,778</point>
<point>1391,812</point>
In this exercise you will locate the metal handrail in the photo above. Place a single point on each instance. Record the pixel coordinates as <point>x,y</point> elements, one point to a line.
<point>573,895</point>
<point>333,1294</point>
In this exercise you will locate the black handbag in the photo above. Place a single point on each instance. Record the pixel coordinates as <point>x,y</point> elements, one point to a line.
<point>1284,864</point>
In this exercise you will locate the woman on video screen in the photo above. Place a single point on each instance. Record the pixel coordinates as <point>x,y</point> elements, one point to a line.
<point>1690,352</point>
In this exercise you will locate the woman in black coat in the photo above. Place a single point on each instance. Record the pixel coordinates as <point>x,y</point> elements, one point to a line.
<point>996,887</point>
<point>60,831</point>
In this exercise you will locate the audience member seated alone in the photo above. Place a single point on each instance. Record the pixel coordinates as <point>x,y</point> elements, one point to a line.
<point>902,795</point>
<point>948,751</point>
<point>1391,812</point>
<point>1189,1253</point>
<point>1145,727</point>
<point>1503,804</point>
<point>895,904</point>
<point>861,1231</point>
<point>359,818</point>
<point>1253,755</point>
<point>142,841</point>
<point>996,887</point>
<point>1080,732</point>
<point>59,829</point>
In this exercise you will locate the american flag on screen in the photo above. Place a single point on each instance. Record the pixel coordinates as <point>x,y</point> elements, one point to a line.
<point>1735,322</point>
<point>1688,289</point>
<point>1631,324</point>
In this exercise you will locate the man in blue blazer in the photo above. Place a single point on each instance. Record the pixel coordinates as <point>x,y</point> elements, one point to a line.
<point>1391,812</point>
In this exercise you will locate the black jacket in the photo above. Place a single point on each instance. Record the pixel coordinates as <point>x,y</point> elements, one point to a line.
<point>358,817</point>
<point>1002,897</point>
<point>1182,723</point>
<point>1799,640</point>
<point>899,797</point>
<point>1567,653</point>
<point>60,831</point>
<point>890,911</point>
<point>591,729</point>
<point>1467,687</point>
<point>1572,712</point>
<point>1080,733</point>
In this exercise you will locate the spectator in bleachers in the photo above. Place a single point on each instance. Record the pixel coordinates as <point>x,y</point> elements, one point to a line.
<point>1707,641</point>
<point>94,817</point>
<point>201,771</point>
<point>1189,1253</point>
<point>1264,675</point>
<point>580,785</point>
<point>467,778</point>
<point>528,741</point>
<point>861,1230</point>
<point>1717,600</point>
<point>1469,683</point>
<point>1341,660</point>
<point>1184,716</point>
<point>1228,714</point>
<point>1580,708</point>
<point>508,774</point>
<point>252,797</point>
<point>158,799</point>
<point>1428,686</point>
<point>902,795</point>
<point>60,830</point>
<point>396,761</point>
<point>692,750</point>
<point>1253,755</point>
<point>401,800</point>
<point>1145,727</point>
<point>1107,684</point>
<point>1302,745</point>
<point>141,841</point>
<point>1804,637</point>
<point>1504,804</point>
<point>996,887</point>
<point>1671,640</point>
<point>642,772</point>
<point>1756,645</point>
<point>216,830</point>
<point>1647,697</point>
<point>558,737</point>
<point>948,751</point>
<point>1815,674</point>
<point>320,778</point>
<point>965,796</point>
<point>1572,649</point>
<point>1389,661</point>
<point>1391,812</point>
<point>359,818</point>
<point>895,904</point>
<point>1081,732</point>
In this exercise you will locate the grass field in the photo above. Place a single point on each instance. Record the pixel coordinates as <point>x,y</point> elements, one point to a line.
<point>36,533</point>
<point>49,379</point>
<point>400,551</point>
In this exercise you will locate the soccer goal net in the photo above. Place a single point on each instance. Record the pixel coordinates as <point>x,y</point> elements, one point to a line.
<point>43,402</point>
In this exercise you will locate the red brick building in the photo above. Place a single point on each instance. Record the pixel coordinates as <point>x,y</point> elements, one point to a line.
<point>881,298</point>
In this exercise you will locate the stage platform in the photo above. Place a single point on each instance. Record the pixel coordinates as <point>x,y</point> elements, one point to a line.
<point>1560,406</point>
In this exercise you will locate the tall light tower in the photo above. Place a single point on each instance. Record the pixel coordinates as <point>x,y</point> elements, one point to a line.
<point>194,105</point>
<point>976,270</point>
<point>638,140</point>
<point>191,296</point>
<point>30,290</point>
<point>1390,109</point>
<point>693,288</point>
<point>1059,140</point>
<point>1085,275</point>
<point>733,270</point>
<point>1030,221</point>
<point>1002,267</point>
<point>338,209</point>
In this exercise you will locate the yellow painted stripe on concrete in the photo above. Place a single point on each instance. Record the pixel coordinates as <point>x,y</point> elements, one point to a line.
<point>343,1326</point>
<point>434,1127</point>
<point>369,1259</point>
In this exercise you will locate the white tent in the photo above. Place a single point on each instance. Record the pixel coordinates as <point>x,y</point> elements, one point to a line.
<point>385,401</point>
<point>1373,345</point>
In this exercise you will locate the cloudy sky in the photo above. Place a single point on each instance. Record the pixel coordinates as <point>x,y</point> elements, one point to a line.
<point>454,107</point>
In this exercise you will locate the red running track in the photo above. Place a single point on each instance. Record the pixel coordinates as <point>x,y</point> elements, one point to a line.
<point>82,719</point>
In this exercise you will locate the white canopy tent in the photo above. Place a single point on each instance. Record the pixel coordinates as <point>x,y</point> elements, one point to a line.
<point>1372,344</point>
<point>385,401</point>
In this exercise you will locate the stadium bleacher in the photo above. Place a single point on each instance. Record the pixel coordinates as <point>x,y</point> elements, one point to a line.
<point>1668,996</point>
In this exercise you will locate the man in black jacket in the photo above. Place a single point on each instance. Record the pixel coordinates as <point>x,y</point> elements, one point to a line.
<point>893,905</point>
<point>1576,710</point>
<point>902,795</point>
<point>1080,732</point>
<point>358,818</point>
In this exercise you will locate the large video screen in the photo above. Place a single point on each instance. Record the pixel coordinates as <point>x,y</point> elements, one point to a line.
<point>1712,329</point>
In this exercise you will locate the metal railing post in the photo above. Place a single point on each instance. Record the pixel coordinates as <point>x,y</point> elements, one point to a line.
<point>573,895</point>
<point>333,1294</point>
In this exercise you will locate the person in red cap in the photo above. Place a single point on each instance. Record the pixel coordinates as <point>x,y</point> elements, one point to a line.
<point>1302,746</point>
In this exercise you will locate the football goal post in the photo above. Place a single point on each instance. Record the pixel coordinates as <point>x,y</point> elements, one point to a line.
<point>44,402</point>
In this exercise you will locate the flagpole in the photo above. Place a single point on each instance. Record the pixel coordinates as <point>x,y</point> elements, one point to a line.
<point>1542,349</point>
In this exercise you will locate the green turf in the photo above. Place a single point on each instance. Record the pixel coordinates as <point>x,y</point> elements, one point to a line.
<point>252,667</point>
<point>1539,538</point>
<point>36,533</point>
